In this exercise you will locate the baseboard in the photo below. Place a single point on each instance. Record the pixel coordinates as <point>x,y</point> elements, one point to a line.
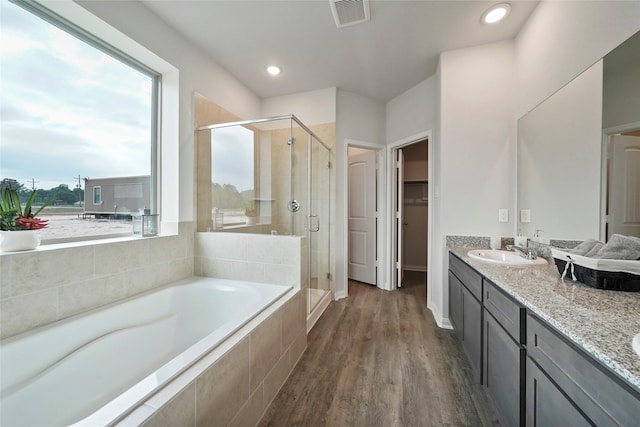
<point>320,308</point>
<point>415,268</point>
<point>442,322</point>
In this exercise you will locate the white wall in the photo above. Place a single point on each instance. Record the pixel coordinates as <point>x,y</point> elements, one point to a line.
<point>197,73</point>
<point>475,151</point>
<point>361,119</point>
<point>562,39</point>
<point>412,112</point>
<point>312,108</point>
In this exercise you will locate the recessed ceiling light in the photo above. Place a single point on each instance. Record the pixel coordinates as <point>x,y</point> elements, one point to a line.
<point>496,13</point>
<point>274,70</point>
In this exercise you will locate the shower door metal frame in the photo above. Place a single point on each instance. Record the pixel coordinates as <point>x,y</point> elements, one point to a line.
<point>291,143</point>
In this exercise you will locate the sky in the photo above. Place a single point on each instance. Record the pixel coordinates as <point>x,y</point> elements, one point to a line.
<point>232,157</point>
<point>66,108</point>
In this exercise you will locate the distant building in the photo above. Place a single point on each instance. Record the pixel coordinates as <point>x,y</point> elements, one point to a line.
<point>119,196</point>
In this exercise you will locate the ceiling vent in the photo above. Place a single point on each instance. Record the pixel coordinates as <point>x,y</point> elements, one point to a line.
<point>349,12</point>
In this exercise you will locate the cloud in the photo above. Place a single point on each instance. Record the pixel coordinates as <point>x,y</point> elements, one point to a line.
<point>232,157</point>
<point>66,107</point>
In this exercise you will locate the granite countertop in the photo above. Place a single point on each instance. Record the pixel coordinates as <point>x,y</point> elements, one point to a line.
<point>601,322</point>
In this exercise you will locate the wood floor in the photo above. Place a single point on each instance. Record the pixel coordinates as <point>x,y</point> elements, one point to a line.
<point>377,358</point>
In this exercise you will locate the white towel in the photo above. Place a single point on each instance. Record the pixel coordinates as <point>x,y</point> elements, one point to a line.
<point>589,245</point>
<point>620,247</point>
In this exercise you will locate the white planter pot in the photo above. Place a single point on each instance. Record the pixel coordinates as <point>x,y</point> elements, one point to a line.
<point>19,240</point>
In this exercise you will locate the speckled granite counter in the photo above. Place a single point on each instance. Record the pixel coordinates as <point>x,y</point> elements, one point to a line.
<point>603,323</point>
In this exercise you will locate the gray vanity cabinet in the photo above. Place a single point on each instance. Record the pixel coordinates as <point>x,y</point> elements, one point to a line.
<point>546,405</point>
<point>564,383</point>
<point>455,304</point>
<point>465,307</point>
<point>532,373</point>
<point>504,355</point>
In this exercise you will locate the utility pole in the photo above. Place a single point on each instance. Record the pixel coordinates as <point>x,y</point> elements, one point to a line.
<point>79,187</point>
<point>33,183</point>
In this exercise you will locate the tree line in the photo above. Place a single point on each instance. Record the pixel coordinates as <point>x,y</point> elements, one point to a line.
<point>227,196</point>
<point>60,195</point>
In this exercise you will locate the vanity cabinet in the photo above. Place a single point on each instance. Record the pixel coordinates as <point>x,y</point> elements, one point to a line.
<point>504,355</point>
<point>564,383</point>
<point>546,404</point>
<point>532,373</point>
<point>465,307</point>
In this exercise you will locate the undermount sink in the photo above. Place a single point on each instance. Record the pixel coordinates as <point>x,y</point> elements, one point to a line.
<point>636,344</point>
<point>496,256</point>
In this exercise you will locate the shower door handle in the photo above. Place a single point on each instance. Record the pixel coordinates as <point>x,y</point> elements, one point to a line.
<point>317,227</point>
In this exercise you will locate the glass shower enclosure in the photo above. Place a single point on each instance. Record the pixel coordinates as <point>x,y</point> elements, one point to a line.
<point>268,176</point>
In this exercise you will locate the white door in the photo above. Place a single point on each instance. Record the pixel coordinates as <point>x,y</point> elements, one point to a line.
<point>624,182</point>
<point>362,217</point>
<point>399,218</point>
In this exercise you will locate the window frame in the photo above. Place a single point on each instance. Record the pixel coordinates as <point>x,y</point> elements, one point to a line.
<point>66,25</point>
<point>97,191</point>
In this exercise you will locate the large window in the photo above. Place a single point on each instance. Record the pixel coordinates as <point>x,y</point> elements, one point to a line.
<point>77,116</point>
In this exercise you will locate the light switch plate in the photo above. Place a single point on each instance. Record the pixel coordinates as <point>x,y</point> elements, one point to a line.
<point>503,215</point>
<point>525,215</point>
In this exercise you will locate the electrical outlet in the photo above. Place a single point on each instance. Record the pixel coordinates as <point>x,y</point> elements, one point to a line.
<point>503,215</point>
<point>525,215</point>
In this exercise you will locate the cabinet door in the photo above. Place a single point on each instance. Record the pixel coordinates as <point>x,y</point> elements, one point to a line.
<point>502,377</point>
<point>472,332</point>
<point>455,304</point>
<point>546,405</point>
<point>602,398</point>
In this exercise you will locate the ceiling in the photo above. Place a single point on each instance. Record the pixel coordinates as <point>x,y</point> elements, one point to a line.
<point>380,59</point>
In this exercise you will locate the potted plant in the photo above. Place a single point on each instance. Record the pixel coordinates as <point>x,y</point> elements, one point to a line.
<point>18,224</point>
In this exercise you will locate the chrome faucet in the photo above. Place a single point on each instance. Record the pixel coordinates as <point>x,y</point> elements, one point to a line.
<point>528,253</point>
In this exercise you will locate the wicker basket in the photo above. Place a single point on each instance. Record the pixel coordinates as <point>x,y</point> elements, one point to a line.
<point>610,280</point>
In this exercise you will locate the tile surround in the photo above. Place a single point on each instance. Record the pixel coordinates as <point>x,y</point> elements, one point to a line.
<point>260,258</point>
<point>48,284</point>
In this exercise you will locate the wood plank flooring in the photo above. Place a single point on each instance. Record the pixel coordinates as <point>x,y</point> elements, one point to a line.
<point>377,358</point>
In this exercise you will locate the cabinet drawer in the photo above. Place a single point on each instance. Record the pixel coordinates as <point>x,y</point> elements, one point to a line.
<point>506,311</point>
<point>603,398</point>
<point>469,278</point>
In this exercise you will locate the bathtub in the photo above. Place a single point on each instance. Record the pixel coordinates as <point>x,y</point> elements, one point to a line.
<point>95,368</point>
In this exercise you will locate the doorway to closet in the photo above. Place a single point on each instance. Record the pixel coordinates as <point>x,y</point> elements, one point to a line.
<point>411,208</point>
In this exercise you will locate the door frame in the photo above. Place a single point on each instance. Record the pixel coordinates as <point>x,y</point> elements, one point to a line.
<point>381,154</point>
<point>391,233</point>
<point>606,133</point>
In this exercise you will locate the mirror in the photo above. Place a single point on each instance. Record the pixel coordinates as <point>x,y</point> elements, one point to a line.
<point>565,169</point>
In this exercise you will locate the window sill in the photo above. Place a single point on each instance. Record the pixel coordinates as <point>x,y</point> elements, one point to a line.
<point>46,247</point>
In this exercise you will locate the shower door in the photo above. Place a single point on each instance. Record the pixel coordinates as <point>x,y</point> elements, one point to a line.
<point>319,223</point>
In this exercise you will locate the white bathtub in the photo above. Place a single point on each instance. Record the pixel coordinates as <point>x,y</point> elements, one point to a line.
<point>95,368</point>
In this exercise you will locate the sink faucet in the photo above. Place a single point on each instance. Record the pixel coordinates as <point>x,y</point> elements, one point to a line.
<point>528,253</point>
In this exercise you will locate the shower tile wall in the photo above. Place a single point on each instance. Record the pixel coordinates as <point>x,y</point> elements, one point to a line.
<point>260,258</point>
<point>48,284</point>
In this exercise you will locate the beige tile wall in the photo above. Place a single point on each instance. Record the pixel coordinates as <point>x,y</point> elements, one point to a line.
<point>42,286</point>
<point>277,259</point>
